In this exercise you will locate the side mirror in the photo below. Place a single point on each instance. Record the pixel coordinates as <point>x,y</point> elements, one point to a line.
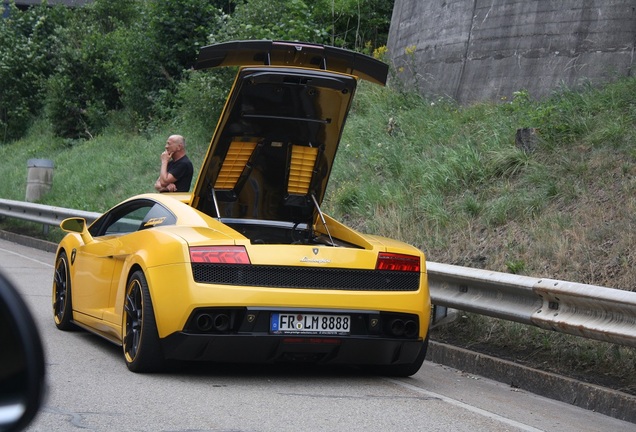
<point>22,370</point>
<point>77,225</point>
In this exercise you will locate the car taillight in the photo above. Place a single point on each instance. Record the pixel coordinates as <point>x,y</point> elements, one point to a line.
<point>219,255</point>
<point>397,262</point>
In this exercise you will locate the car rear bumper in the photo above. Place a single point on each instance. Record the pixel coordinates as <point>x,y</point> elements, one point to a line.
<point>291,348</point>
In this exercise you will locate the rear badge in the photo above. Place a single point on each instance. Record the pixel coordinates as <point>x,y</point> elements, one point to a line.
<point>315,260</point>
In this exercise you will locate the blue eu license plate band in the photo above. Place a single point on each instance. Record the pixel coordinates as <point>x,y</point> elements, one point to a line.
<point>299,323</point>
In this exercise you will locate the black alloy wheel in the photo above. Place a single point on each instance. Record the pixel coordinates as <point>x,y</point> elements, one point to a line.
<point>142,350</point>
<point>62,301</point>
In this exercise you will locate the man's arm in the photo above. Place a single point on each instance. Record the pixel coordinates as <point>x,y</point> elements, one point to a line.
<point>163,186</point>
<point>165,182</point>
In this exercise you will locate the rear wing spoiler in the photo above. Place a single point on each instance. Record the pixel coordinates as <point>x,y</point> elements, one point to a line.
<point>279,53</point>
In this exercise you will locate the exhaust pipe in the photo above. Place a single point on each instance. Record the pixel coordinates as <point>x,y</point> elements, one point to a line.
<point>397,327</point>
<point>204,322</point>
<point>221,323</point>
<point>410,329</point>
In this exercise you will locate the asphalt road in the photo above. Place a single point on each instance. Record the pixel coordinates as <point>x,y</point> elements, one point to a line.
<point>91,389</point>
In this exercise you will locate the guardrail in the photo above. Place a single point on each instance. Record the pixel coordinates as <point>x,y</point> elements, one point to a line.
<point>590,311</point>
<point>46,215</point>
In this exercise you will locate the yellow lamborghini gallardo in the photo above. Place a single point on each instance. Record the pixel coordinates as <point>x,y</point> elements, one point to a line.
<point>247,268</point>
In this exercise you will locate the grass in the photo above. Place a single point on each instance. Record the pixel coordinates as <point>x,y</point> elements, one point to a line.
<point>450,180</point>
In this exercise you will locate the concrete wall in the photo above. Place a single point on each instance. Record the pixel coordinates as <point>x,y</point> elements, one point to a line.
<point>474,50</point>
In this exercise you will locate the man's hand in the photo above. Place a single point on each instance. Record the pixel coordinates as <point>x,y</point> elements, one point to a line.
<point>165,182</point>
<point>165,156</point>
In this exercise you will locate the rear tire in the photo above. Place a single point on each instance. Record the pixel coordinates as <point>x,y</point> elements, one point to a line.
<point>141,345</point>
<point>62,300</point>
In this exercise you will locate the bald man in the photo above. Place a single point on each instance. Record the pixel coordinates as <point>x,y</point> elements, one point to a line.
<point>176,168</point>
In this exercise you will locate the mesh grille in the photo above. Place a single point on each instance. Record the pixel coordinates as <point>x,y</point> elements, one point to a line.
<point>309,278</point>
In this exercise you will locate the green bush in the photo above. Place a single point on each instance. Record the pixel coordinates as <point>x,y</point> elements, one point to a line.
<point>200,98</point>
<point>82,91</point>
<point>156,49</point>
<point>29,44</point>
<point>273,20</point>
<point>84,65</point>
<point>354,24</point>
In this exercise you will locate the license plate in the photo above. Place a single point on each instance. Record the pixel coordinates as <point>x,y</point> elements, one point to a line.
<point>295,323</point>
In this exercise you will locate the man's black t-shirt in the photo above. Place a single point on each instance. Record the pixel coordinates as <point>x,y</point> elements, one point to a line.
<point>181,170</point>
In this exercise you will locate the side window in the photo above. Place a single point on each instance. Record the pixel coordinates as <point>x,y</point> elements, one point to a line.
<point>158,215</point>
<point>127,222</point>
<point>132,216</point>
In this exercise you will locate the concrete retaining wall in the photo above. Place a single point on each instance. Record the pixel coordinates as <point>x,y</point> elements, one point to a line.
<point>475,50</point>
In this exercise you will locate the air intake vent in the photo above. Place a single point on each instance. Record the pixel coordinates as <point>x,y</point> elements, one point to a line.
<point>301,169</point>
<point>237,157</point>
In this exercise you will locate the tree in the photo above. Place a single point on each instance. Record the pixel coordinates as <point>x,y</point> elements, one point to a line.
<point>355,24</point>
<point>123,54</point>
<point>83,89</point>
<point>273,20</point>
<point>157,49</point>
<point>29,49</point>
